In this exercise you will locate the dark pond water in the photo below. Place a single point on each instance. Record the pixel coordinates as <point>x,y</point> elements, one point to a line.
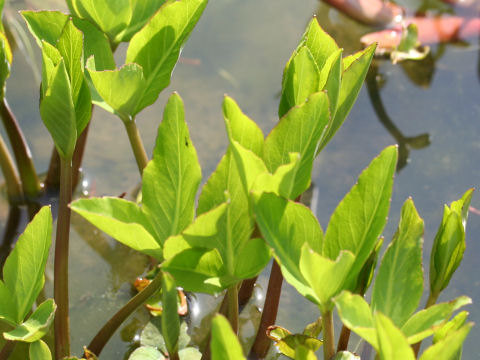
<point>240,48</point>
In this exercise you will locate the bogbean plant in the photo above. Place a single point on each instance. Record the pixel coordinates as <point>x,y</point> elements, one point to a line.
<point>248,210</point>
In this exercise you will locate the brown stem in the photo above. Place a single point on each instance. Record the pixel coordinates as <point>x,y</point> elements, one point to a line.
<point>21,151</point>
<point>78,155</point>
<point>272,299</point>
<point>7,350</point>
<point>52,180</point>
<point>232,297</point>
<point>12,181</point>
<point>98,342</point>
<point>60,283</point>
<point>246,290</point>
<point>11,232</point>
<point>328,335</point>
<point>344,338</point>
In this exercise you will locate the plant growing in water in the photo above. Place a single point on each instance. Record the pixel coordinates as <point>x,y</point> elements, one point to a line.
<point>248,210</point>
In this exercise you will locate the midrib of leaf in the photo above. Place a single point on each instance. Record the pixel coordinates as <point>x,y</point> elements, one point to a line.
<point>178,194</point>
<point>391,273</point>
<point>229,245</point>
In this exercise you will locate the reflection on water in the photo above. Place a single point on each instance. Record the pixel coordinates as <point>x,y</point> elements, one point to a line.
<point>240,48</point>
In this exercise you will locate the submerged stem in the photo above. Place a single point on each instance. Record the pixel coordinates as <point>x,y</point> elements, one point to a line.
<point>21,151</point>
<point>344,338</point>
<point>106,332</point>
<point>328,335</point>
<point>272,299</point>
<point>60,283</point>
<point>12,181</point>
<point>137,144</point>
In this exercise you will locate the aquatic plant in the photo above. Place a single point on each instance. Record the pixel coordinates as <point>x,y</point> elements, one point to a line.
<point>248,211</point>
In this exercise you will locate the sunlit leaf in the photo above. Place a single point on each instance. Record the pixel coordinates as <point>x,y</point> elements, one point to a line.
<point>325,276</point>
<point>166,31</point>
<point>111,16</point>
<point>38,350</point>
<point>398,286</point>
<point>36,325</point>
<point>286,226</point>
<point>120,89</point>
<point>224,343</point>
<point>346,355</point>
<point>142,10</point>
<point>146,353</point>
<point>356,314</point>
<point>45,25</point>
<point>354,71</point>
<point>171,179</point>
<point>121,219</point>
<point>302,78</point>
<point>449,347</point>
<point>425,322</point>
<point>360,217</point>
<point>23,272</point>
<point>392,344</point>
<point>58,112</point>
<point>299,131</point>
<point>170,319</point>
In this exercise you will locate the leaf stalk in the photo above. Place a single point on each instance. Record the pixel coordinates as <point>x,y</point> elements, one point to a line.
<point>60,283</point>
<point>137,144</point>
<point>101,338</point>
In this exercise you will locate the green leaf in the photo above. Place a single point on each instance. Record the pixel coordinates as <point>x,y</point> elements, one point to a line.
<point>447,251</point>
<point>70,46</point>
<point>23,272</point>
<point>286,226</point>
<point>58,112</point>
<point>346,355</point>
<point>8,308</point>
<point>45,25</point>
<point>36,326</point>
<point>425,322</point>
<point>303,353</point>
<point>95,43</point>
<point>356,314</point>
<point>398,287</point>
<point>448,328</point>
<point>462,205</point>
<point>448,348</point>
<point>354,71</point>
<point>392,344</point>
<point>141,12</point>
<point>171,179</point>
<point>249,266</point>
<point>195,258</point>
<point>5,62</point>
<point>241,128</point>
<point>170,319</point>
<point>120,89</point>
<point>299,131</point>
<point>38,350</point>
<point>320,44</point>
<point>330,80</point>
<point>227,177</point>
<point>325,277</point>
<point>302,78</point>
<point>282,182</point>
<point>111,16</point>
<point>361,216</point>
<point>123,220</point>
<point>290,344</point>
<point>224,343</point>
<point>167,31</point>
<point>146,353</point>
